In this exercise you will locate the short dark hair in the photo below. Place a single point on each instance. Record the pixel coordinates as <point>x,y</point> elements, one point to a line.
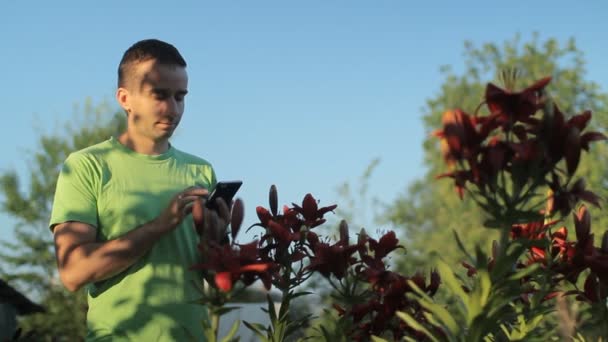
<point>147,49</point>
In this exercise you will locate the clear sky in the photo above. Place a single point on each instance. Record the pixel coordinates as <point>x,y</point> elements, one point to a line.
<point>301,94</point>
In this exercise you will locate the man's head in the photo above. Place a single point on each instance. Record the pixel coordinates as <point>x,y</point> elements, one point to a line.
<point>144,50</point>
<point>152,84</point>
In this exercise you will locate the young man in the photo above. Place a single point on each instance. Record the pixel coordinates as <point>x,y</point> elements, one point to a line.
<point>121,218</point>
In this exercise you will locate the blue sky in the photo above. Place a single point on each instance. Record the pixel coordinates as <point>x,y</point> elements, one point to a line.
<point>301,94</point>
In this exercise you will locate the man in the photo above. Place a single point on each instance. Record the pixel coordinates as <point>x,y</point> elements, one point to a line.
<point>121,218</point>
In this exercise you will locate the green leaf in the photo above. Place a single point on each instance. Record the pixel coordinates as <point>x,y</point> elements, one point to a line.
<point>431,319</point>
<point>409,320</point>
<point>297,324</point>
<point>207,330</point>
<point>233,330</point>
<point>378,339</point>
<point>284,308</point>
<point>524,272</point>
<point>442,314</point>
<point>271,310</point>
<point>258,329</point>
<point>325,333</point>
<point>461,246</point>
<point>479,297</point>
<point>225,309</point>
<point>450,280</point>
<point>299,294</point>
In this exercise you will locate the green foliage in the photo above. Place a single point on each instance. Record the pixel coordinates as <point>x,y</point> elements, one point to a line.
<point>430,210</point>
<point>282,326</point>
<point>490,306</point>
<point>28,261</point>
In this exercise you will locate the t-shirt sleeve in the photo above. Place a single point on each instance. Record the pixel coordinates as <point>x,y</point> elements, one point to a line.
<point>76,192</point>
<point>213,181</point>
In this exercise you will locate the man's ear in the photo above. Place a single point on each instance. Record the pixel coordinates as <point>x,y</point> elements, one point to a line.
<point>123,98</point>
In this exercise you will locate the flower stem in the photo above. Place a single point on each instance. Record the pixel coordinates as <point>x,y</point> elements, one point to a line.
<point>215,324</point>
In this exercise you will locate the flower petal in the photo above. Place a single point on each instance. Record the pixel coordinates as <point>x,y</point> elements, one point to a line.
<point>223,281</point>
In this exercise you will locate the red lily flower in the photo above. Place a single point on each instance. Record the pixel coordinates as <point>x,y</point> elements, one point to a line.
<point>387,243</point>
<point>565,138</point>
<point>460,179</point>
<point>531,231</point>
<point>460,140</point>
<point>231,264</point>
<point>332,259</point>
<point>564,200</point>
<point>313,215</point>
<point>282,234</point>
<point>494,157</point>
<point>508,107</point>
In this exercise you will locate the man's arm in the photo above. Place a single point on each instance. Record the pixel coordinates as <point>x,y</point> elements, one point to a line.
<point>81,260</point>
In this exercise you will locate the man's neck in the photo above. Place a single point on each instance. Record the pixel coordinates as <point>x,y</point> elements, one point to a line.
<point>142,145</point>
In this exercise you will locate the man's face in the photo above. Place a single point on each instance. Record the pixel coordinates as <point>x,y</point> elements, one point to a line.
<point>155,99</point>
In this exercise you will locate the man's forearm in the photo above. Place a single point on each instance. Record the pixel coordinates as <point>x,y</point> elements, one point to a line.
<point>96,261</point>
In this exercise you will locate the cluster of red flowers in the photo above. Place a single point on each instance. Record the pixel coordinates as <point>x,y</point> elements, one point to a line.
<point>512,155</point>
<point>386,292</point>
<point>288,238</point>
<point>289,251</point>
<point>512,139</point>
<point>568,259</point>
<point>226,261</point>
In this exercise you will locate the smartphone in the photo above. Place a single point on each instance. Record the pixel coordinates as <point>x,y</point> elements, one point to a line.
<point>224,190</point>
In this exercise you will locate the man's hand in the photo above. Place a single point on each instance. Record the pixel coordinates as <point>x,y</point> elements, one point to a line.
<point>179,207</point>
<point>211,224</point>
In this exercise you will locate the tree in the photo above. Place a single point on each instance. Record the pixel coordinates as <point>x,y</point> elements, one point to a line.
<point>28,262</point>
<point>429,211</point>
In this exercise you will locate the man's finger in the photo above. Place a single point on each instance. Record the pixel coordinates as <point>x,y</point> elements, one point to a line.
<point>188,199</point>
<point>207,223</point>
<point>188,208</point>
<point>224,211</point>
<point>195,192</point>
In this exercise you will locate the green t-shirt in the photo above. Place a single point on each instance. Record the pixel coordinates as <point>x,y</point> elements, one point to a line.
<point>116,190</point>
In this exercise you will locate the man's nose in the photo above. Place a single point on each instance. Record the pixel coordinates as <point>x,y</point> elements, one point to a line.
<point>173,107</point>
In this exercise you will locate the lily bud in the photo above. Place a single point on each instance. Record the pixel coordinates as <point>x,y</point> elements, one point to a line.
<point>605,243</point>
<point>579,185</point>
<point>591,288</point>
<point>362,237</point>
<point>582,222</point>
<point>273,199</point>
<point>309,207</point>
<point>238,213</point>
<point>573,149</point>
<point>550,207</point>
<point>263,215</point>
<point>343,231</point>
<point>419,280</point>
<point>361,241</point>
<point>435,282</point>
